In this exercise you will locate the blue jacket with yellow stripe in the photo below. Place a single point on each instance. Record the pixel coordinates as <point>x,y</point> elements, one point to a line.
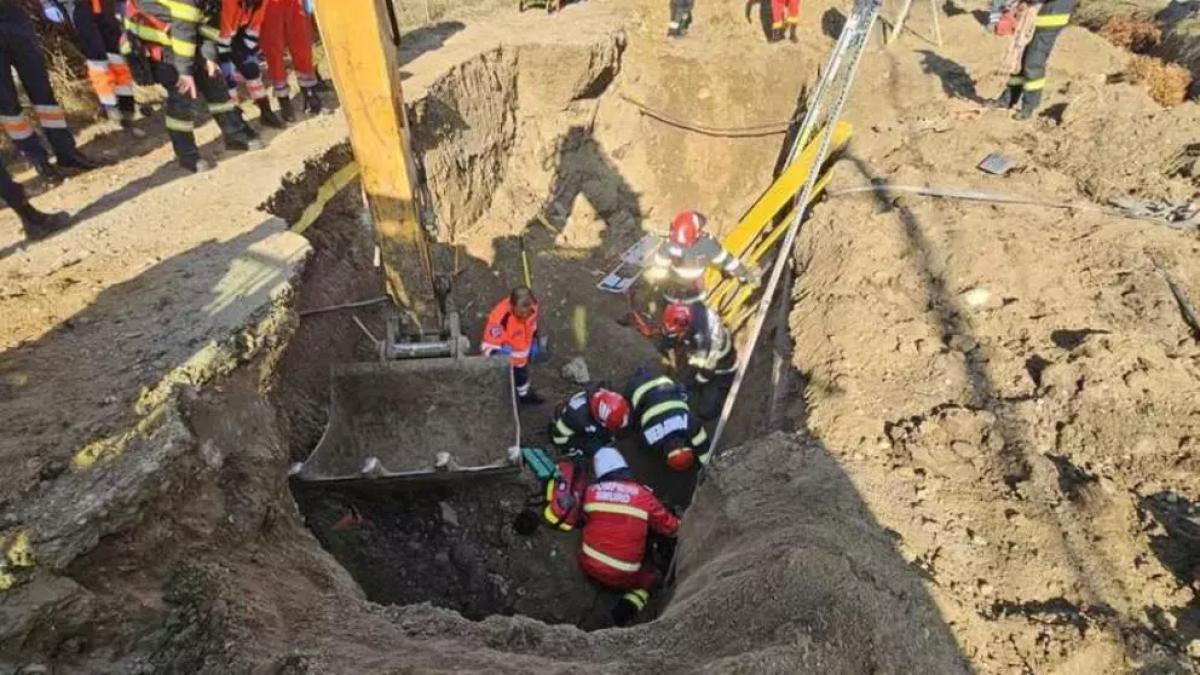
<point>661,412</point>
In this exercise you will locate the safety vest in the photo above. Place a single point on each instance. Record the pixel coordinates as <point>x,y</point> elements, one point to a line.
<point>504,329</point>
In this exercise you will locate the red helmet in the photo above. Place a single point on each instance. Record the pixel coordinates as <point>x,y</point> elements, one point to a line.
<point>680,459</point>
<point>685,228</point>
<point>677,318</point>
<point>609,409</point>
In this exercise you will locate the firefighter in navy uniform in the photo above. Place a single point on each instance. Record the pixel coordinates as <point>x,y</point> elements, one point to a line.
<point>666,424</point>
<point>679,264</point>
<point>697,331</point>
<point>184,61</point>
<point>1026,85</point>
<point>588,420</point>
<point>20,51</point>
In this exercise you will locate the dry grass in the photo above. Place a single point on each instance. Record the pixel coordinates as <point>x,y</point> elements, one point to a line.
<point>1168,82</point>
<point>1136,35</point>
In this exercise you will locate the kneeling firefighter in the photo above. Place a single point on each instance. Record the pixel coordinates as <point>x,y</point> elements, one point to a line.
<point>697,331</point>
<point>666,424</point>
<point>588,420</point>
<point>680,263</point>
<point>621,514</point>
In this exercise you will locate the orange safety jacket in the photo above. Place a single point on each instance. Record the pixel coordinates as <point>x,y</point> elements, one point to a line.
<point>504,329</point>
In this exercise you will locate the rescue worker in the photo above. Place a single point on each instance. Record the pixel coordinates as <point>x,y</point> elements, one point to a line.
<point>1025,86</point>
<point>711,357</point>
<point>588,420</point>
<point>183,61</point>
<point>784,12</point>
<point>621,514</point>
<point>666,424</point>
<point>19,51</point>
<point>288,26</point>
<point>37,225</point>
<point>512,329</point>
<point>681,18</point>
<point>681,262</point>
<point>240,55</point>
<point>98,34</point>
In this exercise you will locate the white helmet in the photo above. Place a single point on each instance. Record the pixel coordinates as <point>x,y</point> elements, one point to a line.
<point>608,460</point>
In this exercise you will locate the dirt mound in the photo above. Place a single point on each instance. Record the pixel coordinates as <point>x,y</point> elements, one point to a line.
<point>1168,82</point>
<point>1133,34</point>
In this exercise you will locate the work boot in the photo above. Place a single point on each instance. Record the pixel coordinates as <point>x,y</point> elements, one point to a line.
<point>1006,100</point>
<point>197,166</point>
<point>268,116</point>
<point>627,608</point>
<point>46,170</point>
<point>39,225</point>
<point>132,129</point>
<point>1024,113</point>
<point>312,102</point>
<point>285,109</point>
<point>78,161</point>
<point>792,34</point>
<point>531,398</point>
<point>244,140</point>
<point>674,32</point>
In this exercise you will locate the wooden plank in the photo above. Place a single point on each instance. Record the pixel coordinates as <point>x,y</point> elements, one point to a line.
<point>365,62</point>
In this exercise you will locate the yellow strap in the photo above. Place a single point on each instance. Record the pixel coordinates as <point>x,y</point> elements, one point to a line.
<point>1035,85</point>
<point>700,437</point>
<point>665,406</point>
<point>182,10</point>
<point>179,125</point>
<point>563,429</point>
<point>1051,20</point>
<point>183,47</point>
<point>147,33</point>
<point>610,561</point>
<point>606,507</point>
<point>210,33</point>
<point>637,598</point>
<point>641,391</point>
<point>1016,81</point>
<point>218,108</point>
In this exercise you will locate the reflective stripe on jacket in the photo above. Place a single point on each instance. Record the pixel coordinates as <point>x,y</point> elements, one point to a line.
<point>504,329</point>
<point>619,515</point>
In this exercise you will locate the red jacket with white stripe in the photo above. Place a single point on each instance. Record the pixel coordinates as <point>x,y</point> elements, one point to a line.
<point>619,513</point>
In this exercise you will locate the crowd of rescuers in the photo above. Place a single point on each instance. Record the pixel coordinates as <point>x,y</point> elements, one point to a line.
<point>627,532</point>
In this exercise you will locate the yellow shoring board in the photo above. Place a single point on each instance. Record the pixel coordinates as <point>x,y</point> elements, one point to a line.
<point>783,190</point>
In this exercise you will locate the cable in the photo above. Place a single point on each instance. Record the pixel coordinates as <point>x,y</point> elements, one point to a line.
<point>348,305</point>
<point>752,131</point>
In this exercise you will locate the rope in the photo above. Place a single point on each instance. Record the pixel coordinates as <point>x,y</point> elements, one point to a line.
<point>348,305</point>
<point>752,131</point>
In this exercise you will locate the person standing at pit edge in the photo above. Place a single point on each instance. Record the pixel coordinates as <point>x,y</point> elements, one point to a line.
<point>621,514</point>
<point>1026,84</point>
<point>512,329</point>
<point>681,18</point>
<point>287,25</point>
<point>784,12</point>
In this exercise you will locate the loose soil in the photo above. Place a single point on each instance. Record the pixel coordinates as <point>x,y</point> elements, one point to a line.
<point>991,466</point>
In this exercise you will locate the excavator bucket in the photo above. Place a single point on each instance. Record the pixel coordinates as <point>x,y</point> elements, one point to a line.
<point>417,419</point>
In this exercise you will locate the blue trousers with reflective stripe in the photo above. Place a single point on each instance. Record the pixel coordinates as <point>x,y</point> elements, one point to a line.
<point>19,51</point>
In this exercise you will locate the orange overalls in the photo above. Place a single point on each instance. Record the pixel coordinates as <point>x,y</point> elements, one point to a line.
<point>505,333</point>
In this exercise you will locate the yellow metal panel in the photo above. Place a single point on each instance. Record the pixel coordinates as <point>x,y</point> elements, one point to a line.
<point>738,240</point>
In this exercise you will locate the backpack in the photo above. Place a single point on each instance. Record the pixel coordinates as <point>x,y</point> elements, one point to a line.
<point>564,495</point>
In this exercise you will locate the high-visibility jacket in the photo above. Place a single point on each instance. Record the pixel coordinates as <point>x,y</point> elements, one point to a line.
<point>618,516</point>
<point>686,266</point>
<point>504,329</point>
<point>660,407</point>
<point>170,29</point>
<point>708,345</point>
<point>574,428</point>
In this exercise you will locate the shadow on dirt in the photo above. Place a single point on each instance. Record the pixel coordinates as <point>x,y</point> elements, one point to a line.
<point>956,81</point>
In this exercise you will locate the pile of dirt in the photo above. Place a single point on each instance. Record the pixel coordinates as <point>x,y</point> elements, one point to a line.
<point>1136,35</point>
<point>1168,82</point>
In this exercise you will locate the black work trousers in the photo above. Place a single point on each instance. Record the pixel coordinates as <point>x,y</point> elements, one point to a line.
<point>20,51</point>
<point>681,13</point>
<point>181,111</point>
<point>1027,85</point>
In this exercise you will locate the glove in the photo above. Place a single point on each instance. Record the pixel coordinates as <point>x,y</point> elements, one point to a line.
<point>504,349</point>
<point>53,12</point>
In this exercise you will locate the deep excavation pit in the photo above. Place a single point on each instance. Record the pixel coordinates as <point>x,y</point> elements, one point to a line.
<point>504,136</point>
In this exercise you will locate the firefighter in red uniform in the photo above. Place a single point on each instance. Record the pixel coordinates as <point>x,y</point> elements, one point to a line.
<point>621,513</point>
<point>239,54</point>
<point>784,12</point>
<point>512,329</point>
